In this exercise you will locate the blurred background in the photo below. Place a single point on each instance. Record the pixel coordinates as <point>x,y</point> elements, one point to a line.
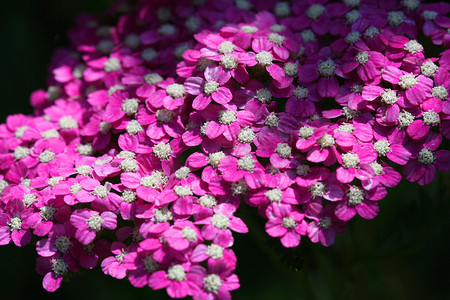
<point>402,254</point>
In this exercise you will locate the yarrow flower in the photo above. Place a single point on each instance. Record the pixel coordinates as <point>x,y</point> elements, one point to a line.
<point>160,124</point>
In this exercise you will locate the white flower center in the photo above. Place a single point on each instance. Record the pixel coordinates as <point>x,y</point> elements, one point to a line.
<point>226,47</point>
<point>377,168</point>
<point>214,251</point>
<point>426,157</point>
<point>46,156</point>
<point>193,23</point>
<point>162,215</point>
<point>430,118</point>
<point>243,4</point>
<point>228,62</point>
<point>355,195</point>
<point>100,191</point>
<point>179,50</point>
<point>53,93</point>
<point>350,160</point>
<point>212,282</point>
<point>189,234</point>
<point>214,158</point>
<point>352,16</point>
<point>413,47</point>
<point>207,200</point>
<point>105,46</point>
<point>83,170</point>
<point>308,35</point>
<point>128,196</point>
<point>95,222</point>
<point>282,9</point>
<point>430,15</point>
<point>85,149</point>
<point>220,221</point>
<point>276,38</point>
<point>112,65</point>
<point>15,224</point>
<point>396,18</point>
<point>75,188</point>
<point>162,150</point>
<point>176,273</point>
<point>167,29</point>
<point>289,223</point>
<point>302,170</point>
<point>389,97</point>
<point>382,147</point>
<point>411,4</point>
<point>130,106</point>
<point>132,41</point>
<point>345,128</point>
<point>246,163</point>
<point>350,113</point>
<point>405,119</point>
<point>325,223</point>
<point>150,264</point>
<point>153,78</point>
<point>239,187</point>
<point>149,54</point>
<point>126,154</point>
<point>59,266</point>
<point>326,68</point>
<point>407,81</point>
<point>300,92</point>
<point>326,141</point>
<point>352,3</point>
<point>182,191</point>
<point>353,37</point>
<point>362,57</point>
<point>155,180</point>
<point>211,87</point>
<point>284,150</point>
<point>439,92</point>
<point>246,136</point>
<point>129,165</point>
<point>182,172</point>
<point>133,127</point>
<point>3,184</point>
<point>290,69</point>
<point>47,212</point>
<point>274,195</point>
<point>176,90</point>
<point>264,58</point>
<point>371,32</point>
<point>315,11</point>
<point>63,243</point>
<point>317,189</point>
<point>272,120</point>
<point>21,152</point>
<point>29,199</point>
<point>68,122</point>
<point>104,127</point>
<point>264,95</point>
<point>306,132</point>
<point>20,131</point>
<point>227,117</point>
<point>249,29</point>
<point>115,88</point>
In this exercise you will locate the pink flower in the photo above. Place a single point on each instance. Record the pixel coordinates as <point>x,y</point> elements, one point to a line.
<point>88,223</point>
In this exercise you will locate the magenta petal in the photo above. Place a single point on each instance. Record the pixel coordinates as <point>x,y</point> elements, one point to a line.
<point>368,209</point>
<point>417,130</point>
<point>51,283</point>
<point>201,102</point>
<point>345,175</point>
<point>290,239</point>
<point>416,95</point>
<point>328,87</point>
<point>399,154</point>
<point>158,280</point>
<point>222,96</point>
<point>344,212</point>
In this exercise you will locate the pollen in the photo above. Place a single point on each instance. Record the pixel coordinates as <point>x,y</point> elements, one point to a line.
<point>126,154</point>
<point>263,95</point>
<point>100,191</point>
<point>228,62</point>
<point>272,120</point>
<point>352,3</point>
<point>302,170</point>
<point>413,47</point>
<point>132,41</point>
<point>150,264</point>
<point>75,188</point>
<point>21,152</point>
<point>377,168</point>
<point>389,97</point>
<point>277,28</point>
<point>129,165</point>
<point>326,68</point>
<point>112,65</point>
<point>246,163</point>
<point>290,69</point>
<point>243,4</point>
<point>128,196</point>
<point>274,195</point>
<point>362,57</point>
<point>220,221</point>
<point>3,184</point>
<point>46,156</point>
<point>431,118</point>
<point>308,35</point>
<point>162,215</point>
<point>429,15</point>
<point>85,149</point>
<point>317,189</point>
<point>212,283</point>
<point>68,122</point>
<point>405,119</point>
<point>29,199</point>
<point>63,243</point>
<point>396,18</point>
<point>352,16</point>
<point>104,127</point>
<point>164,116</point>
<point>182,172</point>
<point>211,87</point>
<point>407,81</point>
<point>189,234</point>
<point>345,128</point>
<point>226,47</point>
<point>315,11</point>
<point>182,191</point>
<point>426,157</point>
<point>214,251</point>
<point>439,92</point>
<point>382,147</point>
<point>326,141</point>
<point>411,4</point>
<point>162,150</point>
<point>264,58</point>
<point>249,29</point>
<point>289,223</point>
<point>20,131</point>
<point>207,200</point>
<point>305,132</point>
<point>95,222</point>
<point>246,136</point>
<point>130,106</point>
<point>149,54</point>
<point>355,195</point>
<point>15,224</point>
<point>179,50</point>
<point>214,158</point>
<point>153,78</point>
<point>353,37</point>
<point>284,150</point>
<point>115,88</point>
<point>227,117</point>
<point>176,90</point>
<point>167,30</point>
<point>300,92</point>
<point>84,170</point>
<point>59,266</point>
<point>371,32</point>
<point>276,38</point>
<point>133,127</point>
<point>239,187</point>
<point>350,160</point>
<point>193,24</point>
<point>47,212</point>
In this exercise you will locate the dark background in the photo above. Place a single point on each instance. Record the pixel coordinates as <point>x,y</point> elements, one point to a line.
<point>403,254</point>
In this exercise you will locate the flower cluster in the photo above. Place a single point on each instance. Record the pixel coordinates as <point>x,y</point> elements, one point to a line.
<point>154,130</point>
